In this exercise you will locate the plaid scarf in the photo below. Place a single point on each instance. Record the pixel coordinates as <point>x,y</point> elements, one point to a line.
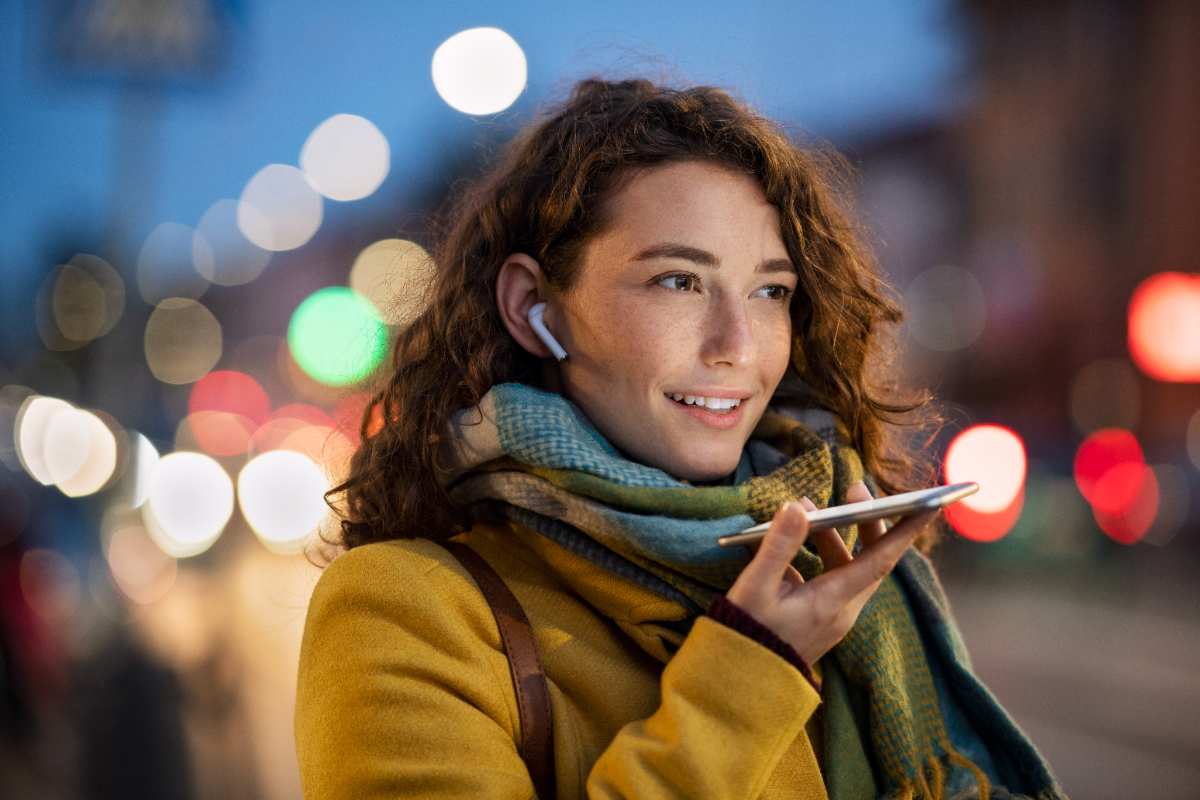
<point>900,682</point>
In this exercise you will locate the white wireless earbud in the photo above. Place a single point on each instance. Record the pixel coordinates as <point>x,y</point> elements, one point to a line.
<point>539,327</point>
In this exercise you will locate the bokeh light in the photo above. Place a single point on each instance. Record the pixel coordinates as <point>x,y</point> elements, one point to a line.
<point>1193,439</point>
<point>164,265</point>
<point>304,412</point>
<point>190,502</point>
<point>221,253</point>
<point>946,308</point>
<point>1105,394</point>
<point>1164,327</point>
<point>232,391</point>
<point>32,420</point>
<point>112,289</point>
<point>281,495</point>
<point>182,341</point>
<point>278,209</point>
<point>145,461</point>
<point>80,452</point>
<point>345,157</point>
<point>12,397</point>
<point>479,71</point>
<point>1126,501</point>
<point>1174,504</point>
<point>225,407</point>
<point>218,433</point>
<point>1100,452</point>
<point>337,337</point>
<point>50,584</point>
<point>985,526</point>
<point>142,571</point>
<point>994,457</point>
<point>78,302</point>
<point>327,447</point>
<point>396,276</point>
<point>348,414</point>
<point>44,317</point>
<point>1111,472</point>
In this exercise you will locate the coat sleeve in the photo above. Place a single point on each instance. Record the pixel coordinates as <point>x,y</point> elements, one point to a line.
<point>403,691</point>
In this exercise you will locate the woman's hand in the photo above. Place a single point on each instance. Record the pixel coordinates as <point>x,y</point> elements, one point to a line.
<point>813,616</point>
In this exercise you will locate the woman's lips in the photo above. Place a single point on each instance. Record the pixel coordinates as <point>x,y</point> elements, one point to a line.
<point>721,420</point>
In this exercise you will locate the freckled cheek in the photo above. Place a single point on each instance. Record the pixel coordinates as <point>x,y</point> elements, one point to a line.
<point>776,348</point>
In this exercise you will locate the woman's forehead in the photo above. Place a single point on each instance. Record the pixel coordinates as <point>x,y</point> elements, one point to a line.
<point>690,204</point>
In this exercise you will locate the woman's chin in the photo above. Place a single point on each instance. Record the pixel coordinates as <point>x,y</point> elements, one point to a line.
<point>694,470</point>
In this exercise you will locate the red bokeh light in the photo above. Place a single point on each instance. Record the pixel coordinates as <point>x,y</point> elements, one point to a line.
<point>1127,502</point>
<point>1164,327</point>
<point>1100,452</point>
<point>230,391</point>
<point>304,412</point>
<point>984,526</point>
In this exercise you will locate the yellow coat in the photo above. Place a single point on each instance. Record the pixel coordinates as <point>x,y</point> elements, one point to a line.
<point>404,690</point>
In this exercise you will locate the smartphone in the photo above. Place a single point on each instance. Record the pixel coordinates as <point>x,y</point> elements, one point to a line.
<point>853,513</point>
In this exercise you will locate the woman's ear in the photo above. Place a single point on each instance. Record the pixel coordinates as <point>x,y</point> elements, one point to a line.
<point>518,288</point>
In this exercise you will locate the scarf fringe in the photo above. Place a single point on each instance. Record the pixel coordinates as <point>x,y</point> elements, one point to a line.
<point>981,779</point>
<point>930,782</point>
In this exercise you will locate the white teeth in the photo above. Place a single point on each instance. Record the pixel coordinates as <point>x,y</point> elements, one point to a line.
<point>714,403</point>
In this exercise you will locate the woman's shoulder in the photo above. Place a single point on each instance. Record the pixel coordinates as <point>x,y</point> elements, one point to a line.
<point>407,583</point>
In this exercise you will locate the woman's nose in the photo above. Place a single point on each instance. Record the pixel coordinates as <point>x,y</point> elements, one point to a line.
<point>729,336</point>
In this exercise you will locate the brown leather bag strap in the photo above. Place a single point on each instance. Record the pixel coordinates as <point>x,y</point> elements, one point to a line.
<point>529,680</point>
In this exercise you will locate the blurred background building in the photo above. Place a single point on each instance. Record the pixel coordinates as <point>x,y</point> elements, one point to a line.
<point>215,219</point>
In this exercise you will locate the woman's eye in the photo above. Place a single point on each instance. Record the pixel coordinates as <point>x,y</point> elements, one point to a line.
<point>680,282</point>
<point>777,292</point>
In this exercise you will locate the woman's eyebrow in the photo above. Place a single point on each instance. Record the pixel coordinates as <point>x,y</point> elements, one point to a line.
<point>705,258</point>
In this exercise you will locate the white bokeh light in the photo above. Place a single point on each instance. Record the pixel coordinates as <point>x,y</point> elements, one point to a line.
<point>164,265</point>
<point>80,452</point>
<point>221,253</point>
<point>32,420</point>
<point>479,71</point>
<point>190,502</point>
<point>345,157</point>
<point>145,459</point>
<point>281,494</point>
<point>994,457</point>
<point>279,210</point>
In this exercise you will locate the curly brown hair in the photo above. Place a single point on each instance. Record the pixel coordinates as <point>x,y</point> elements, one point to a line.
<point>546,197</point>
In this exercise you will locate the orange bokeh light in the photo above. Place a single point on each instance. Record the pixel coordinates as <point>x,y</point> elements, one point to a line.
<point>1164,327</point>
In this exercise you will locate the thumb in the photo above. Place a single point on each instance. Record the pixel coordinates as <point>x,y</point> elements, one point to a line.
<point>783,540</point>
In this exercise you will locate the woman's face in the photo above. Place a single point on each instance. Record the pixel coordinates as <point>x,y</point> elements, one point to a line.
<point>686,296</point>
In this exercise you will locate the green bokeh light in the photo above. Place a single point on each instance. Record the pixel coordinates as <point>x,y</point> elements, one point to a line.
<point>337,336</point>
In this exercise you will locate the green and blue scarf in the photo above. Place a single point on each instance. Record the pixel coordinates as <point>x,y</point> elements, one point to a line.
<point>900,680</point>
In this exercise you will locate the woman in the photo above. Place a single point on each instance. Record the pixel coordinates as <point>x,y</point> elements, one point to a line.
<point>718,319</point>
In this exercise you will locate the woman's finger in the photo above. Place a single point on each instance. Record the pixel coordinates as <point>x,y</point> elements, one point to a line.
<point>829,544</point>
<point>783,540</point>
<point>831,547</point>
<point>870,531</point>
<point>862,575</point>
